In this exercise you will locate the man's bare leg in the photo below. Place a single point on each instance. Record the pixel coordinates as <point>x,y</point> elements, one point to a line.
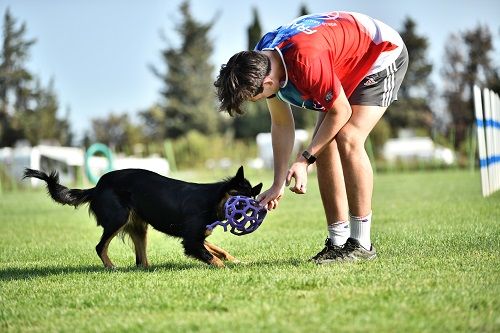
<point>358,173</point>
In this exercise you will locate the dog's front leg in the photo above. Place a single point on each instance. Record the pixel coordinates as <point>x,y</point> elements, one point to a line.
<point>220,253</point>
<point>197,250</point>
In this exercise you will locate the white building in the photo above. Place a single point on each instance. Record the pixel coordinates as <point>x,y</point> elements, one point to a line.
<point>416,149</point>
<point>69,162</point>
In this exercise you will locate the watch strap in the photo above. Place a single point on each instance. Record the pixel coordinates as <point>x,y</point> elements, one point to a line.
<point>309,157</point>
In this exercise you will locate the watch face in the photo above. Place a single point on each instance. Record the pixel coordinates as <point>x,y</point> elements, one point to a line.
<point>310,158</point>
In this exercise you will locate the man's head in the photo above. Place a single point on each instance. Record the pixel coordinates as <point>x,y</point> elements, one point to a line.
<point>241,79</point>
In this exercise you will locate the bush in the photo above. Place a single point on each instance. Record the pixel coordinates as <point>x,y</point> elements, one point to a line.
<point>195,149</point>
<point>7,183</point>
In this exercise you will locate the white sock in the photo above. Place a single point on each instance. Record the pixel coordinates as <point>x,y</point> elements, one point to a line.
<point>360,229</point>
<point>339,232</point>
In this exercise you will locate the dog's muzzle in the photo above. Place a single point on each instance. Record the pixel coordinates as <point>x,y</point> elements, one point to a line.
<point>243,215</point>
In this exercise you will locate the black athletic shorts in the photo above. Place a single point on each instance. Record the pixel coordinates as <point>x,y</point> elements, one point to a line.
<point>381,89</point>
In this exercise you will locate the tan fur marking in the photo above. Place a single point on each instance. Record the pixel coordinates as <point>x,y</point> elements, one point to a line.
<point>137,230</point>
<point>216,262</point>
<point>220,207</point>
<point>212,252</point>
<point>104,254</point>
<point>220,253</point>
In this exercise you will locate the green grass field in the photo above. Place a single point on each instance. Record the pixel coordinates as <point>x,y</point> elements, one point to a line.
<point>438,268</point>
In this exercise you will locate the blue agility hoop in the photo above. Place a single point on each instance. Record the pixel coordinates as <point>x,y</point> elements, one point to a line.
<point>93,149</point>
<point>243,214</point>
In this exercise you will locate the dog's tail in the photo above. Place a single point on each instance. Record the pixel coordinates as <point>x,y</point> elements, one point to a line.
<point>58,192</point>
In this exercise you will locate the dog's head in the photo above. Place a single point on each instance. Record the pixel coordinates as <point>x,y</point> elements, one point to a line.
<point>236,185</point>
<point>239,185</point>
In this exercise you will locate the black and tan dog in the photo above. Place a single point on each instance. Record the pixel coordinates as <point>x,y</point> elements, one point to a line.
<point>129,200</point>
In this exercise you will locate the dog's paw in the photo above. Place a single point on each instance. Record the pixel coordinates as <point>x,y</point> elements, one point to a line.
<point>216,262</point>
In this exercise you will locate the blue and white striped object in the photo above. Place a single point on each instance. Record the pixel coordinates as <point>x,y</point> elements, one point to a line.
<point>487,110</point>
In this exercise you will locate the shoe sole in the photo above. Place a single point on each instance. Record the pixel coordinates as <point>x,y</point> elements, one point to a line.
<point>330,261</point>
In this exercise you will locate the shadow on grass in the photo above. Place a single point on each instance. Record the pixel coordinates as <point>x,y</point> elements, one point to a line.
<point>9,274</point>
<point>275,263</point>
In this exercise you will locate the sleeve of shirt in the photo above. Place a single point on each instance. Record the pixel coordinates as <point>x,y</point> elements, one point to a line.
<point>266,41</point>
<point>322,83</point>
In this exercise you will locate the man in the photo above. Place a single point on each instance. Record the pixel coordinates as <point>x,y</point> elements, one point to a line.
<point>348,67</point>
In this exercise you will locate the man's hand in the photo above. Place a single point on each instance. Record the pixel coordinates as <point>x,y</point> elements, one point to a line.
<point>271,197</point>
<point>298,171</point>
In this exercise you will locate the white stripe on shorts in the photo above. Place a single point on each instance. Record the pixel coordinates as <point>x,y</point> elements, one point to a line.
<point>389,85</point>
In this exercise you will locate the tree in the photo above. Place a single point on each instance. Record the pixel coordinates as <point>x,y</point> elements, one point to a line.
<point>189,103</point>
<point>28,110</point>
<point>479,46</point>
<point>153,120</point>
<point>467,63</point>
<point>116,131</point>
<point>416,82</point>
<point>493,82</point>
<point>413,109</point>
<point>14,76</point>
<point>303,10</point>
<point>254,30</point>
<point>256,118</point>
<point>454,84</point>
<point>41,122</point>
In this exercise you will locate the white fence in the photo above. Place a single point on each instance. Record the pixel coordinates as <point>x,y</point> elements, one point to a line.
<point>66,160</point>
<point>487,108</point>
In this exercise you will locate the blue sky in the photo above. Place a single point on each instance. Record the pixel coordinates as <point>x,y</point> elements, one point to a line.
<point>98,51</point>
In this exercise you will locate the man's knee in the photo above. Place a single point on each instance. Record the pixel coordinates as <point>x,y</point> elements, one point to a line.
<point>349,139</point>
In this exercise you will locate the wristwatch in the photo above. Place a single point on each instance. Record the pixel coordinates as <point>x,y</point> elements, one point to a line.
<point>309,157</point>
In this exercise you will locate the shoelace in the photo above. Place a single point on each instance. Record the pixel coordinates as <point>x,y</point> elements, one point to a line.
<point>334,252</point>
<point>325,249</point>
<point>330,250</point>
<point>349,247</point>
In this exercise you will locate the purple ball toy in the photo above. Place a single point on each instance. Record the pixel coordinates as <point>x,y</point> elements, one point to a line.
<point>243,214</point>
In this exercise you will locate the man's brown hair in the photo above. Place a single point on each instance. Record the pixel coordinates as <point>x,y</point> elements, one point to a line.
<point>241,79</point>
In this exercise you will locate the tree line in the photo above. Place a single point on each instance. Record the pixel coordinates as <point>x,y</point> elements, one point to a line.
<point>29,110</point>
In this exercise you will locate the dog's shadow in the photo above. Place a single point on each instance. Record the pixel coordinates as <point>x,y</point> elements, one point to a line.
<point>14,274</point>
<point>10,274</point>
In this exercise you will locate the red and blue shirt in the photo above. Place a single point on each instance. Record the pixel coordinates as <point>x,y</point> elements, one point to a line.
<point>323,52</point>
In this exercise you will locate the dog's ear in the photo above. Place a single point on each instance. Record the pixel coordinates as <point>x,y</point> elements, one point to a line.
<point>256,190</point>
<point>240,175</point>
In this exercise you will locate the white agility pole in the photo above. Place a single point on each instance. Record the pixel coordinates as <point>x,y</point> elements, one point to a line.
<point>489,138</point>
<point>487,111</point>
<point>495,111</point>
<point>481,141</point>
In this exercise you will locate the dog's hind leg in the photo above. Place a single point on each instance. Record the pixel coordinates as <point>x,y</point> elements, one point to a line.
<point>102,247</point>
<point>112,216</point>
<point>137,229</point>
<point>220,253</point>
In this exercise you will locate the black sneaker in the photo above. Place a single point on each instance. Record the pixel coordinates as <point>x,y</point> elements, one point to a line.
<point>351,251</point>
<point>328,251</point>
